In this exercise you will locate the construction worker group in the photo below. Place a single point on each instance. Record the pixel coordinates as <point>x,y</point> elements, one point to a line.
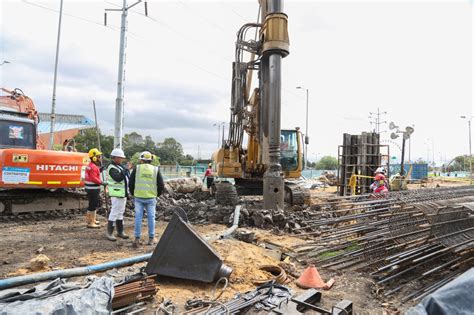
<point>143,181</point>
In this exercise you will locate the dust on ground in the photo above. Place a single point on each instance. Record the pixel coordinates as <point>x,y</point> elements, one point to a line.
<point>68,244</point>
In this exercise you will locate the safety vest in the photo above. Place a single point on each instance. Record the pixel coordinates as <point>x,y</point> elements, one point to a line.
<point>145,181</point>
<point>116,189</point>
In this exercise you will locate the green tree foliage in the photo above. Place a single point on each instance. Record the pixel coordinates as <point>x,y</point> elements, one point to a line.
<point>326,163</point>
<point>186,160</point>
<point>458,164</point>
<point>87,139</point>
<point>169,151</point>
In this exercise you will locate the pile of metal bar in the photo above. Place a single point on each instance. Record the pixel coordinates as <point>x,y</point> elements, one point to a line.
<point>134,291</point>
<point>419,237</point>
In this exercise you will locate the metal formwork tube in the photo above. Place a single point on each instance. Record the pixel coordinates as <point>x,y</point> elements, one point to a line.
<point>273,183</point>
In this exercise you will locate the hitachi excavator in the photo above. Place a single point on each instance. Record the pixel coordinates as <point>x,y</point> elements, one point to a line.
<point>244,156</point>
<point>33,179</point>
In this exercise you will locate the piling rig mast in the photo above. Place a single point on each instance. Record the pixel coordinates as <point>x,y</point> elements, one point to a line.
<point>258,155</point>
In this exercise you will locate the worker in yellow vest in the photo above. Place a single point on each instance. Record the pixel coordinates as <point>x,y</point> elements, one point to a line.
<point>146,184</point>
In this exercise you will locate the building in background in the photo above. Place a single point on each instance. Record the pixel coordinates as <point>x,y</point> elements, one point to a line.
<point>65,127</point>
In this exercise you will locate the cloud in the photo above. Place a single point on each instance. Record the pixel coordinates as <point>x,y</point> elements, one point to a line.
<point>352,57</point>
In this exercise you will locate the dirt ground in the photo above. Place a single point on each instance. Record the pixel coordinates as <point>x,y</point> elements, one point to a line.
<point>68,243</point>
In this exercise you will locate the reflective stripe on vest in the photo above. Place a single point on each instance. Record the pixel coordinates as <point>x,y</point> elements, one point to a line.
<point>145,181</point>
<point>116,189</point>
<point>91,185</point>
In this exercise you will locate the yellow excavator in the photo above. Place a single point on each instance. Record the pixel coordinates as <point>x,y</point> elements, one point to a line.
<point>245,155</point>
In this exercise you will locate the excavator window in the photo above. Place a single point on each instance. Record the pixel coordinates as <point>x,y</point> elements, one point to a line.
<point>289,150</point>
<point>17,134</point>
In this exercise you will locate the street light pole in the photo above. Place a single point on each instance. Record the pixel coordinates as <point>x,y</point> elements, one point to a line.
<point>470,153</point>
<point>306,138</point>
<point>218,134</point>
<point>470,150</point>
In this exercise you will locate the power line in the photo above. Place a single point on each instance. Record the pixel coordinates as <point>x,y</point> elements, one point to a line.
<point>67,14</point>
<point>375,120</point>
<point>213,24</point>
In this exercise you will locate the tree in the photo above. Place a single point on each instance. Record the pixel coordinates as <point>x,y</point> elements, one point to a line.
<point>459,163</point>
<point>170,151</point>
<point>327,163</point>
<point>187,160</point>
<point>87,139</point>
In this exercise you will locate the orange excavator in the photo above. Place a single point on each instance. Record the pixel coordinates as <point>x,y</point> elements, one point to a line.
<point>31,178</point>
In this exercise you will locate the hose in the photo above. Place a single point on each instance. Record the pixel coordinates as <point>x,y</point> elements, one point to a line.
<point>82,271</point>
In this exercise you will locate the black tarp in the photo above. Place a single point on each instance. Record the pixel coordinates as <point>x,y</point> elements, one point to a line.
<point>59,297</point>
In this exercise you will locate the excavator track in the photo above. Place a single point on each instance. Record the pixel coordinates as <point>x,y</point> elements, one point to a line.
<point>33,204</point>
<point>295,191</point>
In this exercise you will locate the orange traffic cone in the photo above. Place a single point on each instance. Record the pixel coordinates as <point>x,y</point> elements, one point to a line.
<point>311,279</point>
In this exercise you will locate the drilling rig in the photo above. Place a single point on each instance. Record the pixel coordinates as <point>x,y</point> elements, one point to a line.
<point>258,155</point>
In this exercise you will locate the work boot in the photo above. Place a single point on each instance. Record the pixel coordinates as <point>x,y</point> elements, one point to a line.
<point>136,242</point>
<point>151,241</point>
<point>110,231</point>
<point>120,232</point>
<point>90,219</point>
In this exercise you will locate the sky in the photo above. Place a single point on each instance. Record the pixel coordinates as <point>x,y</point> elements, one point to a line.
<point>410,59</point>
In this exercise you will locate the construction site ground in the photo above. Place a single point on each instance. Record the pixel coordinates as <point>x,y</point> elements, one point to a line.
<point>68,243</point>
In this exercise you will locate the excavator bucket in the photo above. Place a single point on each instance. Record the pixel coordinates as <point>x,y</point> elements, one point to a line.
<point>183,253</point>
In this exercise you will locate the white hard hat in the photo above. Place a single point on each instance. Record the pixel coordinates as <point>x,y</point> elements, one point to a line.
<point>146,156</point>
<point>117,153</point>
<point>380,170</point>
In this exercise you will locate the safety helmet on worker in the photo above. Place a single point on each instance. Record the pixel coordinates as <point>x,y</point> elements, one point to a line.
<point>117,152</point>
<point>380,177</point>
<point>380,170</point>
<point>209,165</point>
<point>146,156</point>
<point>94,153</point>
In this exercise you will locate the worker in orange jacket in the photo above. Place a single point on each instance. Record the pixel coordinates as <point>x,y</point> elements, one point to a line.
<point>93,183</point>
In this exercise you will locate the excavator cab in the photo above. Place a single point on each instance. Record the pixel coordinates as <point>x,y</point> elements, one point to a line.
<point>291,157</point>
<point>17,132</point>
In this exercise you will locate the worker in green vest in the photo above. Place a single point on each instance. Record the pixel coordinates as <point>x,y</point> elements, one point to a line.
<point>146,184</point>
<point>117,182</point>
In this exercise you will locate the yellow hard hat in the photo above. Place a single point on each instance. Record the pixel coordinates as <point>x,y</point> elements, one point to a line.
<point>146,156</point>
<point>94,152</point>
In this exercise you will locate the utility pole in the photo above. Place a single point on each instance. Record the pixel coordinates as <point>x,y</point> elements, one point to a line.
<point>375,120</point>
<point>118,128</point>
<point>53,103</point>
<point>306,138</point>
<point>97,126</point>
